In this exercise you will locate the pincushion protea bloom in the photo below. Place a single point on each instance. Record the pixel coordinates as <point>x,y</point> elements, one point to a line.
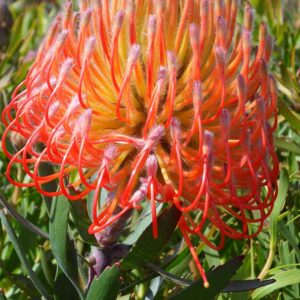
<point>161,100</point>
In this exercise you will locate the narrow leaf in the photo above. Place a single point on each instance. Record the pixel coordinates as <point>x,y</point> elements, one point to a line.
<point>289,115</point>
<point>217,278</point>
<point>146,249</point>
<point>287,144</point>
<point>167,275</point>
<point>246,285</point>
<point>46,169</point>
<point>144,220</point>
<point>81,221</point>
<point>282,278</point>
<point>279,203</point>
<point>20,219</point>
<point>62,248</point>
<point>2,296</point>
<point>63,288</point>
<point>22,256</point>
<point>154,286</point>
<point>106,286</point>
<point>233,286</point>
<point>45,267</point>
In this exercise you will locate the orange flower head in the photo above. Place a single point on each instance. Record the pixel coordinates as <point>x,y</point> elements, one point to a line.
<point>163,100</point>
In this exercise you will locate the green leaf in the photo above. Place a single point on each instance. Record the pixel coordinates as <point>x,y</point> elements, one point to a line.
<point>45,264</point>
<point>217,278</point>
<point>63,249</point>
<point>274,218</point>
<point>289,115</point>
<point>178,264</point>
<point>25,285</point>
<point>19,281</point>
<point>144,220</point>
<point>246,285</point>
<point>287,144</point>
<point>24,222</point>
<point>287,79</point>
<point>22,256</point>
<point>2,296</point>
<point>146,249</point>
<point>170,276</point>
<point>106,286</point>
<point>46,169</point>
<point>5,79</point>
<point>233,286</point>
<point>81,221</point>
<point>283,279</point>
<point>290,236</point>
<point>154,287</point>
<point>280,201</point>
<point>63,289</point>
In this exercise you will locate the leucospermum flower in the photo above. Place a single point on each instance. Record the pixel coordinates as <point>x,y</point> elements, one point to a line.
<point>168,101</point>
